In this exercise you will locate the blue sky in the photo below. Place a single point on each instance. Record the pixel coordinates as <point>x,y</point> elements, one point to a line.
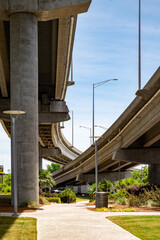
<point>106,46</point>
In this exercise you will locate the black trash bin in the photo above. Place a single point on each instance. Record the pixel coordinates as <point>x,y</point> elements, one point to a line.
<point>101,199</point>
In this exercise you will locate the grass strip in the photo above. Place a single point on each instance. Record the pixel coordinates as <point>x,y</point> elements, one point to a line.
<point>23,228</point>
<point>82,198</point>
<point>143,227</point>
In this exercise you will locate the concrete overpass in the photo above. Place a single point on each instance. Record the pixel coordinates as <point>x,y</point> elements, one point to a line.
<point>133,139</point>
<point>36,42</point>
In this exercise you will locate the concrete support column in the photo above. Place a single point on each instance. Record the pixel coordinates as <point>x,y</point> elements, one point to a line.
<point>24,96</point>
<point>154,174</point>
<point>40,163</point>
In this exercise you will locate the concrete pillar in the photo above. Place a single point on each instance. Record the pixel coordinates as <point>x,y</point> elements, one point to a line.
<point>40,163</point>
<point>154,174</point>
<point>24,96</point>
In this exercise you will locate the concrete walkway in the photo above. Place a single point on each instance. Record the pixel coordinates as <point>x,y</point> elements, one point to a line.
<point>75,222</point>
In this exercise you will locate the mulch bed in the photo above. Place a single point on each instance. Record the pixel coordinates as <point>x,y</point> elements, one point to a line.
<point>7,208</point>
<point>137,209</point>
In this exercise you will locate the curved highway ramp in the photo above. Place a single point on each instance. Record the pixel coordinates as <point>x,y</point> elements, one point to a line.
<point>132,139</point>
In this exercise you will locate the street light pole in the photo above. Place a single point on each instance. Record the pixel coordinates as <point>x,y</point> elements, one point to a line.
<point>95,142</point>
<point>95,85</point>
<point>14,115</point>
<point>14,162</point>
<point>89,131</point>
<point>139,50</point>
<point>93,115</point>
<point>101,127</point>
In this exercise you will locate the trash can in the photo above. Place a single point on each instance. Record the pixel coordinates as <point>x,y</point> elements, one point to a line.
<point>101,199</point>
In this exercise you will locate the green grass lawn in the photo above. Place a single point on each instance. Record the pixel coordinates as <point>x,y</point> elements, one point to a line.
<point>82,198</point>
<point>144,227</point>
<point>23,228</point>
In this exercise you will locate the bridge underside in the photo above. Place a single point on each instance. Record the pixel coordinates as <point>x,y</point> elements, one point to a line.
<point>36,42</point>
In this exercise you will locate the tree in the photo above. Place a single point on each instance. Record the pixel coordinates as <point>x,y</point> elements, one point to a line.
<point>45,178</point>
<point>53,167</point>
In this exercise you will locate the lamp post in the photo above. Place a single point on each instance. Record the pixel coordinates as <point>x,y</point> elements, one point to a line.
<point>139,48</point>
<point>14,115</point>
<point>89,130</point>
<point>95,85</point>
<point>100,127</point>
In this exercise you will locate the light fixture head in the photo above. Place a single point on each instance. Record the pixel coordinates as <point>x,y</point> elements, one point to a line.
<point>14,112</point>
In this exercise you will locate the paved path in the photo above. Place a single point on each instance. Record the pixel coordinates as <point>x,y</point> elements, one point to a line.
<point>75,222</point>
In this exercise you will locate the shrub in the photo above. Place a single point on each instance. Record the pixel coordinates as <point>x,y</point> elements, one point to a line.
<point>5,200</point>
<point>68,196</point>
<point>53,199</point>
<point>144,195</point>
<point>6,189</point>
<point>29,204</point>
<point>119,197</point>
<point>48,194</point>
<point>43,200</point>
<point>6,186</point>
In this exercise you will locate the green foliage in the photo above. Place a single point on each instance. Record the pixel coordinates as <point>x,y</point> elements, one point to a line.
<point>53,167</point>
<point>138,178</point>
<point>49,194</point>
<point>136,201</point>
<point>5,200</point>
<point>53,199</point>
<point>144,197</point>
<point>45,178</point>
<point>28,204</point>
<point>43,200</point>
<point>119,197</point>
<point>6,186</point>
<point>115,210</point>
<point>103,186</point>
<point>68,196</point>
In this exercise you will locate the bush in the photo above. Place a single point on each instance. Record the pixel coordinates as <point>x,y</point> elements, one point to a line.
<point>119,197</point>
<point>5,200</point>
<point>144,195</point>
<point>68,196</point>
<point>43,200</point>
<point>53,199</point>
<point>30,204</point>
<point>48,194</point>
<point>6,186</point>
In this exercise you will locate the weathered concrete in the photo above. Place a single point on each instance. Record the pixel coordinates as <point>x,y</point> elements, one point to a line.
<point>140,155</point>
<point>113,176</point>
<point>45,10</point>
<point>154,174</point>
<point>40,163</point>
<point>45,152</point>
<point>24,96</point>
<point>55,111</point>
